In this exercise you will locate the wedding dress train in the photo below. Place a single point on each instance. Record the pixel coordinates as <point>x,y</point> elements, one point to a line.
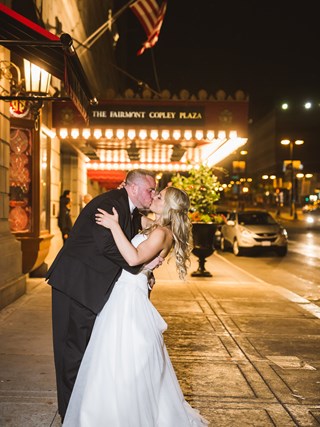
<point>126,378</point>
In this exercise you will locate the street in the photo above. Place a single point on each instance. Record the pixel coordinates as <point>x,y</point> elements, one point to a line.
<point>298,271</point>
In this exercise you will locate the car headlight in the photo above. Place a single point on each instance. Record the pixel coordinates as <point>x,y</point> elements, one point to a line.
<point>310,220</point>
<point>245,233</point>
<point>284,232</point>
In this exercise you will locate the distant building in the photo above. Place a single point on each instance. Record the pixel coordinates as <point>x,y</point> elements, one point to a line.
<point>260,173</point>
<point>268,157</point>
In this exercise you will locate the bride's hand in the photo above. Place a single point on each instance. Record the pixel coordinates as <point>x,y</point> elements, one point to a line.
<point>105,219</point>
<point>155,263</point>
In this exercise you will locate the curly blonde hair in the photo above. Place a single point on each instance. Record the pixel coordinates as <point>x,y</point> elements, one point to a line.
<point>175,217</point>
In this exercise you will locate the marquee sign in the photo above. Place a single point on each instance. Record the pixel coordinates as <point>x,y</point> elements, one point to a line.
<point>134,115</point>
<point>137,114</point>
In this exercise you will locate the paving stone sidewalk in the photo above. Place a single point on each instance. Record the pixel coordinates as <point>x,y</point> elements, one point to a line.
<point>246,353</point>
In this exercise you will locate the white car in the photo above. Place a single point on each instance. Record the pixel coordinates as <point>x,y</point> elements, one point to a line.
<point>253,229</point>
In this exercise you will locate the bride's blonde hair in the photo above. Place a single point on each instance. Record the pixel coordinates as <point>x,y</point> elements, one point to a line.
<point>175,217</point>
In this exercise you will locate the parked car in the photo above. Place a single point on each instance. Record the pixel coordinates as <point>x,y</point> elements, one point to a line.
<point>253,229</point>
<point>312,218</point>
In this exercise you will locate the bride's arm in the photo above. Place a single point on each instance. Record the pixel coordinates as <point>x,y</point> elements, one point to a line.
<point>146,251</point>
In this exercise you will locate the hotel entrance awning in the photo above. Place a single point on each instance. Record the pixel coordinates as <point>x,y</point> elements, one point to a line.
<point>162,135</point>
<point>55,55</point>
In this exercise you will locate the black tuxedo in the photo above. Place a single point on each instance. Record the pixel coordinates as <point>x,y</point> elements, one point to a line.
<point>82,277</point>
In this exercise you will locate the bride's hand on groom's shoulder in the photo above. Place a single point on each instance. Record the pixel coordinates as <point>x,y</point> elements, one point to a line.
<point>105,219</point>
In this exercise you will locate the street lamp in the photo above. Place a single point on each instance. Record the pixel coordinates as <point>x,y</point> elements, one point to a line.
<point>291,144</point>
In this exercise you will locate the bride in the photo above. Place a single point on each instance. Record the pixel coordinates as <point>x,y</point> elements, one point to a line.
<point>126,378</point>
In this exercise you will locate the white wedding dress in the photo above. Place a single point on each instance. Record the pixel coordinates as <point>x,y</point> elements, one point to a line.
<point>126,378</point>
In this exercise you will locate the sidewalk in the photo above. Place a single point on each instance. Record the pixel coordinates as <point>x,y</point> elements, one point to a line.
<point>285,215</point>
<point>246,353</point>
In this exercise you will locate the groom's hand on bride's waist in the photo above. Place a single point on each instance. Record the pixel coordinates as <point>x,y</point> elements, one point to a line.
<point>150,277</point>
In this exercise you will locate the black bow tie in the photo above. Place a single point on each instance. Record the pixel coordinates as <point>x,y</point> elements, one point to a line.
<point>136,220</point>
<point>135,213</point>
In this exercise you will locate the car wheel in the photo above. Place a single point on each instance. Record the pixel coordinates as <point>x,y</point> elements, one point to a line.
<point>282,251</point>
<point>236,249</point>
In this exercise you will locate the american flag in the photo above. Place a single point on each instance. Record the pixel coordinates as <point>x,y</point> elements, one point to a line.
<point>151,16</point>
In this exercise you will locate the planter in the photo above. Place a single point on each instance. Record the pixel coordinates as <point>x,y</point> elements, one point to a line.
<point>203,245</point>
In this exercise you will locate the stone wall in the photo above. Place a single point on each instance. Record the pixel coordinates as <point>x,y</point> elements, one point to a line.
<point>12,281</point>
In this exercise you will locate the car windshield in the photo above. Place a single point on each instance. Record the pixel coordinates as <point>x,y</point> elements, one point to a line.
<point>256,218</point>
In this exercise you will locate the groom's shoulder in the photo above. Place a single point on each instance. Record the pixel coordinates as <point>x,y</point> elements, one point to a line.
<point>118,197</point>
<point>117,194</point>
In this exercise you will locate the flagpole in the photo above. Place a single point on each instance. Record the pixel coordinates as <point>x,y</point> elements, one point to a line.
<point>104,27</point>
<point>139,81</point>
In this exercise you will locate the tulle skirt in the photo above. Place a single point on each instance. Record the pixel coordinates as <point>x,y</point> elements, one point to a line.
<point>126,378</point>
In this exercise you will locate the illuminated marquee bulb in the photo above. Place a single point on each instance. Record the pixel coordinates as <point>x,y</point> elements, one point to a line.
<point>176,134</point>
<point>165,134</point>
<point>75,133</point>
<point>142,156</point>
<point>233,134</point>
<point>131,134</point>
<point>122,156</point>
<point>143,134</point>
<point>163,155</point>
<point>154,134</point>
<point>109,133</point>
<point>97,133</point>
<point>115,156</point>
<point>199,135</point>
<point>102,155</point>
<point>63,133</point>
<point>188,135</point>
<point>210,135</point>
<point>86,133</point>
<point>149,155</point>
<point>120,133</point>
<point>222,134</point>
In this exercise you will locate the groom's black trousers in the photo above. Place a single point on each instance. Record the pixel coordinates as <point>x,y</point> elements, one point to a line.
<point>72,325</point>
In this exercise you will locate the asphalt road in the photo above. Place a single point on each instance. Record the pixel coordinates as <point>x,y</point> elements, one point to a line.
<point>298,271</point>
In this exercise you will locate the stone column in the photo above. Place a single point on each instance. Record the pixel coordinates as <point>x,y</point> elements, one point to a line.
<point>12,281</point>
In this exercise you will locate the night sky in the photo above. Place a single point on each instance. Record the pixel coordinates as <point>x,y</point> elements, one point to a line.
<point>270,50</point>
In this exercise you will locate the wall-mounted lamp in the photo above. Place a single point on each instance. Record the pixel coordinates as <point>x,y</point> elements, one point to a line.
<point>37,83</point>
<point>34,88</point>
<point>37,80</point>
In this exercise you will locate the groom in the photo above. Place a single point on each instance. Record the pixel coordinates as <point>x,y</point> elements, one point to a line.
<point>84,272</point>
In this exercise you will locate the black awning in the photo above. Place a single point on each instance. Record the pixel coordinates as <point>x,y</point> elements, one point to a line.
<point>55,55</point>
